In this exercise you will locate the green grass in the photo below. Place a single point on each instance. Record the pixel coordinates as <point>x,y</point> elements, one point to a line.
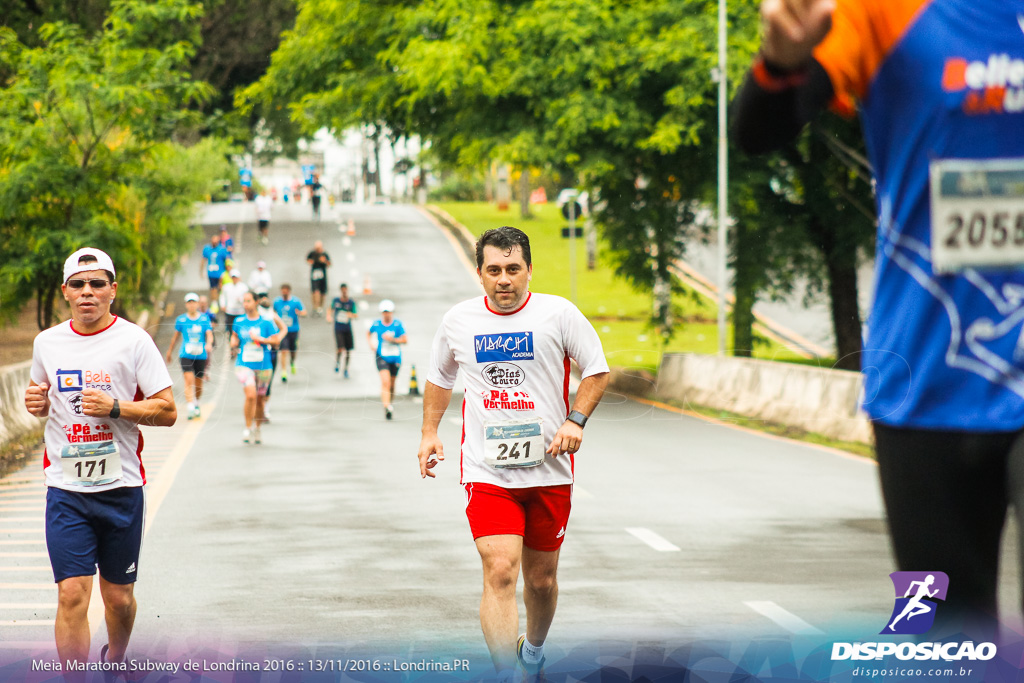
<point>617,310</point>
<point>855,447</point>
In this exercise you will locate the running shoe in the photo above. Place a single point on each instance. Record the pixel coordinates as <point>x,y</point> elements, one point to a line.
<point>284,376</point>
<point>346,373</point>
<point>190,412</point>
<point>115,675</point>
<point>266,414</point>
<point>533,671</point>
<point>387,413</point>
<point>257,437</point>
<point>337,368</point>
<point>246,434</point>
<point>293,369</point>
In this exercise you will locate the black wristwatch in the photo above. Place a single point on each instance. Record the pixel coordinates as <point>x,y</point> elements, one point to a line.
<point>578,418</point>
<point>115,412</point>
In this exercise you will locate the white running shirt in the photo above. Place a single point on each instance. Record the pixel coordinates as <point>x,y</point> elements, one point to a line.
<point>515,367</point>
<point>264,206</point>
<point>121,360</point>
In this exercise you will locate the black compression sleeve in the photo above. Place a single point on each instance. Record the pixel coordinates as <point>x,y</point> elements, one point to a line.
<point>763,120</point>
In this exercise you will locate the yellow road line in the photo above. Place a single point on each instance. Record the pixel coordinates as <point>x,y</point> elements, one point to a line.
<point>157,491</point>
<point>455,245</point>
<point>748,430</point>
<point>41,541</point>
<point>25,569</point>
<point>28,605</point>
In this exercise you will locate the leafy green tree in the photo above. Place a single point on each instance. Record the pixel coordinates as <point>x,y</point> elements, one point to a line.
<point>86,155</point>
<point>620,92</point>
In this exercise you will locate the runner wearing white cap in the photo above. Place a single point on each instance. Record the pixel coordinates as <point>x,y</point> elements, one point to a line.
<point>385,338</point>
<point>231,300</point>
<point>264,207</point>
<point>260,281</point>
<point>97,377</point>
<point>195,328</point>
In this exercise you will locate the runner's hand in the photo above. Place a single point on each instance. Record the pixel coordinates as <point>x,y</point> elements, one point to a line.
<point>96,403</point>
<point>567,439</point>
<point>430,445</point>
<point>37,400</point>
<point>793,28</point>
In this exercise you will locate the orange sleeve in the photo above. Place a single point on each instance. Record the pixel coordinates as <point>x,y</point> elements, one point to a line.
<point>863,34</point>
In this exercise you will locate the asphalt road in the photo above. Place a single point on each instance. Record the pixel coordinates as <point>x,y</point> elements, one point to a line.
<point>330,525</point>
<point>325,537</point>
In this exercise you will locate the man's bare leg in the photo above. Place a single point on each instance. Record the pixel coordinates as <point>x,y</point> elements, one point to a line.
<point>499,613</point>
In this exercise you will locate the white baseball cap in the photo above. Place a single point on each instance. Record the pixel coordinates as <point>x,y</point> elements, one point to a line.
<point>72,267</point>
<point>387,306</point>
<point>191,296</point>
<point>261,264</point>
<point>235,272</point>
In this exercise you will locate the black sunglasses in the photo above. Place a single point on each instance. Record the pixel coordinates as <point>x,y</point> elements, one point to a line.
<point>95,284</point>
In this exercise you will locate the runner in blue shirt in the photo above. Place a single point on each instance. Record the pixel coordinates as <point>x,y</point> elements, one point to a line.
<point>214,263</point>
<point>254,336</point>
<point>939,88</point>
<point>227,241</point>
<point>343,310</point>
<point>385,338</point>
<point>195,328</point>
<point>289,308</point>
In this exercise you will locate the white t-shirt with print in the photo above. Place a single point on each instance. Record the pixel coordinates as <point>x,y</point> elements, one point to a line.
<point>123,361</point>
<point>515,368</point>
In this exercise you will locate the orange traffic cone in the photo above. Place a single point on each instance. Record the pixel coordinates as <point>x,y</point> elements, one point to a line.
<point>351,228</point>
<point>367,289</point>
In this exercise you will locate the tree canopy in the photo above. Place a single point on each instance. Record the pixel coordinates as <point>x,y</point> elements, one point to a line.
<point>87,153</point>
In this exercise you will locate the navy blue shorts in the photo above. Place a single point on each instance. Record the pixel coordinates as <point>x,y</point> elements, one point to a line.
<point>214,282</point>
<point>86,530</point>
<point>383,364</point>
<point>290,342</point>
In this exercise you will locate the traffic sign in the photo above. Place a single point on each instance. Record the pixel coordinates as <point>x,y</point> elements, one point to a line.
<point>566,233</point>
<point>577,210</point>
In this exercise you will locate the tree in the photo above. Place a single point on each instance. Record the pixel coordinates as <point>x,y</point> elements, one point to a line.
<point>85,151</point>
<point>618,91</point>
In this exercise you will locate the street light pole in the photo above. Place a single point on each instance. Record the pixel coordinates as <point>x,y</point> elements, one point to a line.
<point>723,178</point>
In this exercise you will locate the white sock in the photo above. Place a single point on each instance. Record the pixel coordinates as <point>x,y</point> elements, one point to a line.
<point>532,653</point>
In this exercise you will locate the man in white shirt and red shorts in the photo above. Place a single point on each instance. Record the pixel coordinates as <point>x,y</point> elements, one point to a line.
<point>520,435</point>
<point>97,377</point>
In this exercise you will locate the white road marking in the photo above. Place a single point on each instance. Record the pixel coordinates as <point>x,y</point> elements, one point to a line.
<point>652,539</point>
<point>27,646</point>
<point>783,618</point>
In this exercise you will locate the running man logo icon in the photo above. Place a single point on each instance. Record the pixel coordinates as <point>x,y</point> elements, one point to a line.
<point>916,592</point>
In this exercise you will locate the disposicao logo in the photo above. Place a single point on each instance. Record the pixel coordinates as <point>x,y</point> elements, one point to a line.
<point>916,595</point>
<point>913,613</point>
